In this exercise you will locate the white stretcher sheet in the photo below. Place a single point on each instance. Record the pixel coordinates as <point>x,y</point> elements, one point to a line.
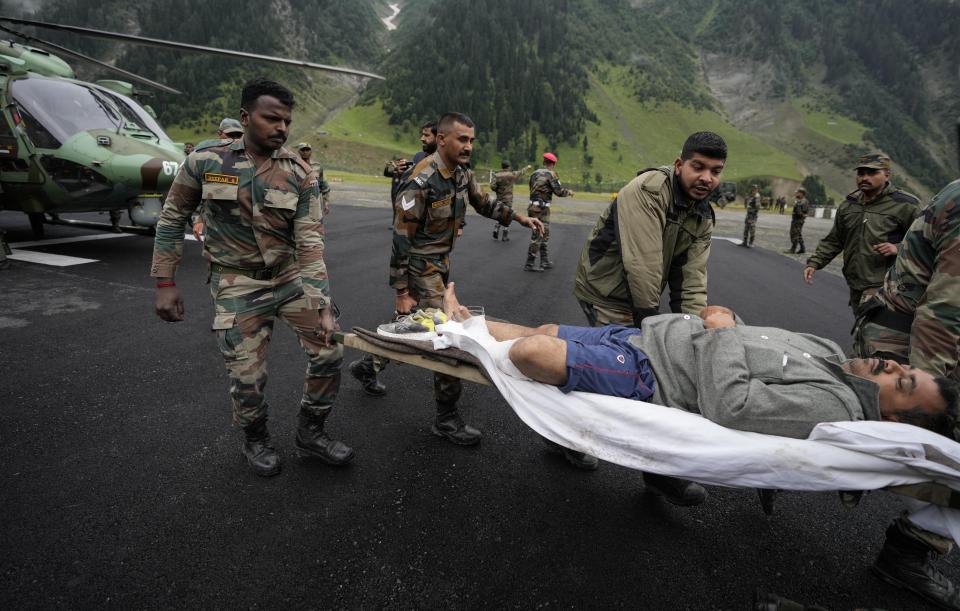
<point>837,456</point>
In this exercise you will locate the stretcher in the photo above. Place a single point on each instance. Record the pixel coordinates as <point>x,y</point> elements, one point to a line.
<point>862,455</point>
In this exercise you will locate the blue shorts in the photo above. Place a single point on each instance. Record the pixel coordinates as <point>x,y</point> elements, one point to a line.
<point>602,360</point>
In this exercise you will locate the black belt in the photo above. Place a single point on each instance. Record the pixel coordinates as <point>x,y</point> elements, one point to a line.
<point>265,273</point>
<point>893,320</point>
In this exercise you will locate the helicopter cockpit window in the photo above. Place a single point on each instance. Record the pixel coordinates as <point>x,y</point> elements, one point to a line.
<point>54,110</point>
<point>134,113</point>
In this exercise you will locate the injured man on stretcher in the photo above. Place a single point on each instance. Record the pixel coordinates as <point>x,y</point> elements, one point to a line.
<point>758,379</point>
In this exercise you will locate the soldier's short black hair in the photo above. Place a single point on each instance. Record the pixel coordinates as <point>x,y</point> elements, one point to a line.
<point>448,119</point>
<point>504,164</point>
<point>254,88</point>
<point>707,144</point>
<point>431,125</point>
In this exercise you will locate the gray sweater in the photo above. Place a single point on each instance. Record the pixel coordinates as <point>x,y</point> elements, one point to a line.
<point>759,379</point>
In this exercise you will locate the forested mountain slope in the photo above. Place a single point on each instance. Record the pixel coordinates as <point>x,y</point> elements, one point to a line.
<point>797,88</point>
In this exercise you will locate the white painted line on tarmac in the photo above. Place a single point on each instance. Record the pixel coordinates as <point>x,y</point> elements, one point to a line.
<point>47,258</point>
<point>732,240</point>
<point>79,238</point>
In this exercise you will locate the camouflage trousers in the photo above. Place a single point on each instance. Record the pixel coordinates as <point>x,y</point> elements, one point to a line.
<point>796,235</point>
<point>426,280</point>
<point>749,229</point>
<point>539,243</point>
<point>245,311</point>
<point>497,227</point>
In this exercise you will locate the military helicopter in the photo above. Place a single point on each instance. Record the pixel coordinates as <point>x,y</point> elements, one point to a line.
<point>68,145</point>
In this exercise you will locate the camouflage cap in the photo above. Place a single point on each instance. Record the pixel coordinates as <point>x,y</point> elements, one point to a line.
<point>304,145</point>
<point>231,126</point>
<point>874,161</point>
<point>801,190</point>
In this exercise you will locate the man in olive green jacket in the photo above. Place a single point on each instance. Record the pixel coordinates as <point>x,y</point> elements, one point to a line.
<point>656,232</point>
<point>869,225</point>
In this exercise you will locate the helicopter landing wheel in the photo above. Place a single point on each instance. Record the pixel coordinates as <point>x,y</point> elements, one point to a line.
<point>36,224</point>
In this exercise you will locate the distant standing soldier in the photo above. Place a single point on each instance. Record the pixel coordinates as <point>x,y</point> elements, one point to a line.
<point>502,184</point>
<point>869,224</point>
<point>801,207</point>
<point>752,202</point>
<point>781,204</point>
<point>544,184</point>
<point>265,247</point>
<point>915,319</point>
<point>430,206</point>
<point>306,153</point>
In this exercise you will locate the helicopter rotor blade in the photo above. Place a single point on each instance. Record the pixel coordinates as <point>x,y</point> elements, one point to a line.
<point>77,55</point>
<point>155,42</point>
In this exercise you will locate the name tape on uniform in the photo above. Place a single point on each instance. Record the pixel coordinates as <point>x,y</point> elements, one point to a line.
<point>440,203</point>
<point>224,179</point>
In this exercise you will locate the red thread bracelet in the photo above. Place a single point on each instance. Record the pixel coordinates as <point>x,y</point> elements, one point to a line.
<point>163,285</point>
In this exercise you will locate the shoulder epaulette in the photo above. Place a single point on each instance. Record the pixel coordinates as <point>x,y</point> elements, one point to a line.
<point>653,179</point>
<point>421,172</point>
<point>212,143</point>
<point>902,197</point>
<point>303,164</point>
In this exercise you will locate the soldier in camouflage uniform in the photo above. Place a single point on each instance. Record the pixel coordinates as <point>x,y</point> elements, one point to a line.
<point>544,184</point>
<point>801,207</point>
<point>655,233</point>
<point>752,202</point>
<point>869,224</point>
<point>502,185</point>
<point>395,169</point>
<point>915,319</point>
<point>265,246</point>
<point>306,153</point>
<point>430,206</point>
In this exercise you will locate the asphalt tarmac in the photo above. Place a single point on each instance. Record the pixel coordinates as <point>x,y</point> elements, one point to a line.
<point>123,487</point>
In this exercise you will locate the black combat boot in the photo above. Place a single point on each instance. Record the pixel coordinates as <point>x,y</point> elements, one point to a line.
<point>258,451</point>
<point>363,371</point>
<point>681,492</point>
<point>505,234</point>
<point>451,426</point>
<point>531,265</point>
<point>312,440</point>
<point>801,250</point>
<point>904,562</point>
<point>496,232</point>
<point>580,460</point>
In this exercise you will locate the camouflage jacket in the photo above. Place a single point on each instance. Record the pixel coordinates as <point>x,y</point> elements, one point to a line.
<point>502,184</point>
<point>925,282</point>
<point>801,207</point>
<point>858,227</point>
<point>753,204</point>
<point>254,218</point>
<point>649,237</point>
<point>544,184</point>
<point>430,207</point>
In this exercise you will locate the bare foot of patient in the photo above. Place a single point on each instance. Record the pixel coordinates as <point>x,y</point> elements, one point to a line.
<point>452,307</point>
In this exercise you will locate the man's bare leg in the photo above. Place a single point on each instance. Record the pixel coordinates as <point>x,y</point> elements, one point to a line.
<point>539,354</point>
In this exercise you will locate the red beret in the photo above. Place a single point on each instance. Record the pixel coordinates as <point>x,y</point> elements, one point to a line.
<point>550,157</point>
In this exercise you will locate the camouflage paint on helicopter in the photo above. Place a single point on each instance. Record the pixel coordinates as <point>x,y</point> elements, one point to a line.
<point>72,146</point>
